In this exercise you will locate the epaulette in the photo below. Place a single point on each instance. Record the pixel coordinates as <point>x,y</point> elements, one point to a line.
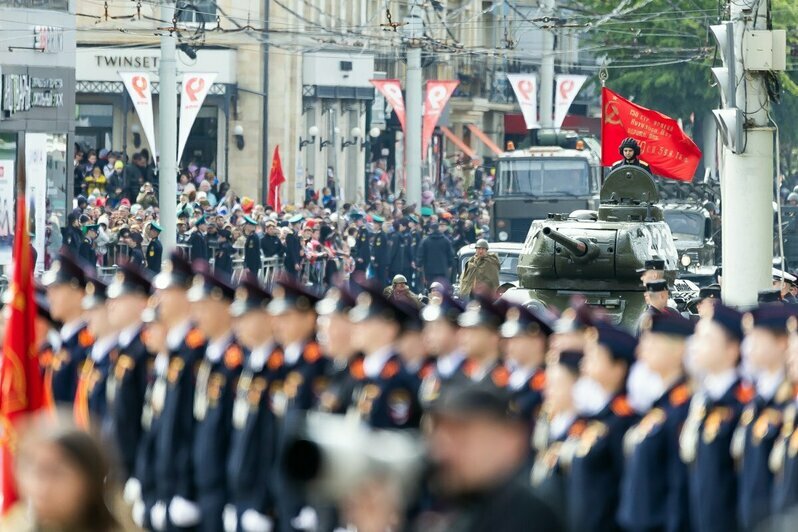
<point>233,357</point>
<point>679,395</point>
<point>538,381</point>
<point>276,360</point>
<point>427,369</point>
<point>312,352</point>
<point>620,407</point>
<point>643,163</point>
<point>468,367</point>
<point>577,428</point>
<point>85,339</point>
<point>500,376</point>
<point>744,393</point>
<point>194,338</point>
<point>356,369</point>
<point>390,369</point>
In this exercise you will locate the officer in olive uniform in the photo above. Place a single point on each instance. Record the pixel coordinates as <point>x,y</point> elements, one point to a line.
<point>597,464</point>
<point>480,340</point>
<point>198,239</point>
<point>630,153</point>
<point>441,339</point>
<point>66,282</point>
<point>379,252</point>
<point>715,410</point>
<point>385,395</point>
<point>154,248</point>
<point>253,444</point>
<point>526,335</point>
<point>654,494</point>
<point>761,420</point>
<point>173,464</point>
<point>130,372</point>
<point>362,251</point>
<point>214,392</point>
<point>252,260</point>
<point>90,397</point>
<point>86,249</point>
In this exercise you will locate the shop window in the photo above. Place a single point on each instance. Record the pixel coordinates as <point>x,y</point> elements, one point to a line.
<point>202,141</point>
<point>94,126</point>
<point>196,11</point>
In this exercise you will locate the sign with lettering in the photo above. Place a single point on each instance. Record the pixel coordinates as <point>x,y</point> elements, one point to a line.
<point>22,92</point>
<point>56,5</point>
<point>48,39</point>
<point>105,64</point>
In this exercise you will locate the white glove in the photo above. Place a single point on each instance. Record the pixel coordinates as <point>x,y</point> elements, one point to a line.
<point>252,521</point>
<point>138,512</point>
<point>184,513</point>
<point>132,491</point>
<point>230,518</point>
<point>158,516</point>
<point>307,519</point>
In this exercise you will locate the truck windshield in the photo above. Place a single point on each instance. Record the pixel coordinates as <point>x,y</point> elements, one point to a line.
<point>685,225</point>
<point>543,177</point>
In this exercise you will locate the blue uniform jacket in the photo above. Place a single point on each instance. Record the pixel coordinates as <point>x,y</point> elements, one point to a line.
<point>61,377</point>
<point>389,401</point>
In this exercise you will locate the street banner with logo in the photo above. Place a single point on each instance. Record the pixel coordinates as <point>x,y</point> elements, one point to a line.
<point>192,95</point>
<point>525,87</point>
<point>568,86</point>
<point>663,144</point>
<point>392,90</point>
<point>36,192</point>
<point>140,90</point>
<point>438,93</point>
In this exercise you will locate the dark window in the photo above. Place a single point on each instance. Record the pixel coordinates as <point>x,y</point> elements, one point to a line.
<point>196,11</point>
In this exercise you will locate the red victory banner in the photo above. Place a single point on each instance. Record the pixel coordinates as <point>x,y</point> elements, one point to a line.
<point>276,178</point>
<point>21,386</point>
<point>391,89</point>
<point>438,93</point>
<point>663,144</point>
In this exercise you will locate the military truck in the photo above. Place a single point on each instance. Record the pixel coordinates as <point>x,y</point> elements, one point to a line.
<point>561,174</point>
<point>691,228</point>
<point>596,254</point>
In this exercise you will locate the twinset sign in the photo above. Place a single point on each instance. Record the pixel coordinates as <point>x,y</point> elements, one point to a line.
<point>21,92</point>
<point>48,39</point>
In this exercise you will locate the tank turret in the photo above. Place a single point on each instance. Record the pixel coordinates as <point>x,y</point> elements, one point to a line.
<point>599,255</point>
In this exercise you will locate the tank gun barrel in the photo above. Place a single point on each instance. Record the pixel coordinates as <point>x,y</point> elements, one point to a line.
<point>577,248</point>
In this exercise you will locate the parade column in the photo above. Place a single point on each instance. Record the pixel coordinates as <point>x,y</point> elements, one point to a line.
<point>747,180</point>
<point>167,123</point>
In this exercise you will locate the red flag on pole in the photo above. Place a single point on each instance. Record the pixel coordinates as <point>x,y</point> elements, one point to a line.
<point>21,387</point>
<point>276,178</point>
<point>663,144</point>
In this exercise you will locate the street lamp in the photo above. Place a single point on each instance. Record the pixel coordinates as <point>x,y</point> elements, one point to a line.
<point>328,142</point>
<point>373,133</point>
<point>313,131</point>
<point>356,134</point>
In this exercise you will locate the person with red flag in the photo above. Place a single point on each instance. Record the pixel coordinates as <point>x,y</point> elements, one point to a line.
<point>659,138</point>
<point>21,387</point>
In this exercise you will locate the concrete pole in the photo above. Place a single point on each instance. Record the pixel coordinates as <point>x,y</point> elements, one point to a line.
<point>167,132</point>
<point>747,194</point>
<point>547,70</point>
<point>413,124</point>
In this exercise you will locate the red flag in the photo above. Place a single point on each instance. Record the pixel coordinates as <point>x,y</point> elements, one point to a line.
<point>21,388</point>
<point>391,89</point>
<point>438,93</point>
<point>276,178</point>
<point>663,144</point>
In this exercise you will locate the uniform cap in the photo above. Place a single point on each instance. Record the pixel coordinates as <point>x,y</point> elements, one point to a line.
<point>176,272</point>
<point>481,312</point>
<point>208,285</point>
<point>378,219</point>
<point>372,304</point>
<point>571,360</point>
<point>657,286</point>
<point>772,317</point>
<point>96,294</point>
<point>200,221</point>
<point>577,317</point>
<point>657,265</point>
<point>443,307</point>
<point>67,269</point>
<point>668,323</point>
<point>771,295</point>
<point>522,320</point>
<point>288,294</point>
<point>399,279</point>
<point>42,304</point>
<point>249,296</point>
<point>338,300</point>
<point>729,319</point>
<point>156,226</point>
<point>481,243</point>
<point>296,219</point>
<point>129,279</point>
<point>712,291</point>
<point>618,342</point>
<point>249,221</point>
<point>426,211</point>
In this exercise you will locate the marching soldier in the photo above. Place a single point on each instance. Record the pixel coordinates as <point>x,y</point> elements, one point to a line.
<point>252,260</point>
<point>441,340</point>
<point>706,437</point>
<point>336,339</point>
<point>597,464</point>
<point>569,331</point>
<point>66,283</point>
<point>252,457</point>
<point>130,372</point>
<point>90,397</point>
<point>48,341</point>
<point>385,394</point>
<point>173,465</point>
<point>761,420</point>
<point>784,456</point>
<point>214,392</point>
<point>526,335</point>
<point>410,345</point>
<point>479,330</point>
<point>154,248</point>
<point>654,493</point>
<point>198,240</point>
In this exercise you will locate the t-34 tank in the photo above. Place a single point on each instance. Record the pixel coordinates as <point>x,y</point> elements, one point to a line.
<point>597,254</point>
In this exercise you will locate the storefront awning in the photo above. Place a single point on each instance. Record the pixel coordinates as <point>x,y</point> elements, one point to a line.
<point>462,146</point>
<point>485,139</point>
